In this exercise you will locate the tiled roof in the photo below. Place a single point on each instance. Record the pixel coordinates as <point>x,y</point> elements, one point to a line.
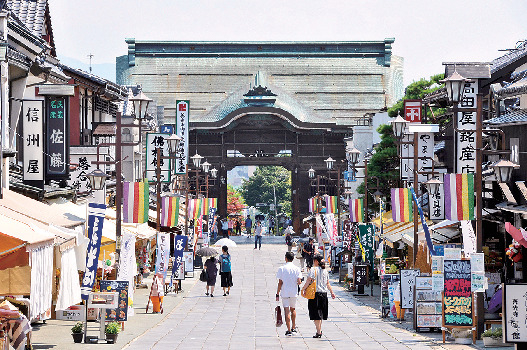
<point>517,116</point>
<point>31,12</point>
<point>105,129</point>
<point>509,58</point>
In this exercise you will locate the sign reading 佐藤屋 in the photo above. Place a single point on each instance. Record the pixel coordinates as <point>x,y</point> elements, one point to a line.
<point>457,300</point>
<point>153,142</point>
<point>56,136</point>
<point>33,140</point>
<point>182,115</point>
<point>466,130</point>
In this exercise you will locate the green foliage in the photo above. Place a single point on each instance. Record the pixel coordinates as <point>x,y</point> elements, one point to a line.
<point>496,333</point>
<point>259,188</point>
<point>77,328</point>
<point>113,328</point>
<point>416,91</point>
<point>235,202</point>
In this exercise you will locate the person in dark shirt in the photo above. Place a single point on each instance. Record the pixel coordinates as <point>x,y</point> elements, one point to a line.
<point>309,251</point>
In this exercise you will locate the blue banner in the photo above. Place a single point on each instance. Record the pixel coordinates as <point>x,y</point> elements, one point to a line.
<point>95,221</point>
<point>423,223</point>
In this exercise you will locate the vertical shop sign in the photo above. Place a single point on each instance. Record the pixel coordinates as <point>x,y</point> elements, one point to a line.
<point>366,234</point>
<point>437,202</point>
<point>33,140</point>
<point>56,136</point>
<point>412,111</point>
<point>515,313</point>
<point>163,253</point>
<point>457,301</point>
<point>95,221</point>
<point>153,142</point>
<point>182,115</point>
<point>407,287</point>
<point>466,130</point>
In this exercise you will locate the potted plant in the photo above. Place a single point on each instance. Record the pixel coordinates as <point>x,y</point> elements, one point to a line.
<point>111,330</point>
<point>493,337</point>
<point>77,332</point>
<point>462,336</point>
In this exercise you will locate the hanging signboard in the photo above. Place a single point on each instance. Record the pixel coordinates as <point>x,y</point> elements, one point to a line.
<point>57,137</point>
<point>515,313</point>
<point>457,302</point>
<point>155,140</point>
<point>466,130</point>
<point>366,236</point>
<point>33,140</point>
<point>83,158</point>
<point>182,116</point>
<point>95,221</point>
<point>121,287</point>
<point>407,287</point>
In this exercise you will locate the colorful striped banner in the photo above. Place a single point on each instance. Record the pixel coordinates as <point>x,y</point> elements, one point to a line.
<point>331,204</point>
<point>459,196</point>
<point>135,202</point>
<point>169,211</point>
<point>356,207</point>
<point>402,208</point>
<point>312,204</point>
<point>194,208</point>
<point>207,204</point>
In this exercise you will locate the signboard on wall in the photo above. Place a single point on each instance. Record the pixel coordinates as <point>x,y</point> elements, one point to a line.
<point>466,133</point>
<point>515,313</point>
<point>56,137</point>
<point>83,159</point>
<point>407,287</point>
<point>182,115</point>
<point>412,111</point>
<point>155,140</point>
<point>33,140</point>
<point>457,301</point>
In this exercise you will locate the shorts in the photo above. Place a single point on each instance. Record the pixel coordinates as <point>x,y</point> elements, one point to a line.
<point>289,302</point>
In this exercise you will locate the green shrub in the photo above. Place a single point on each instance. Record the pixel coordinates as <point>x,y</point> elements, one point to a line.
<point>113,328</point>
<point>77,328</point>
<point>496,333</point>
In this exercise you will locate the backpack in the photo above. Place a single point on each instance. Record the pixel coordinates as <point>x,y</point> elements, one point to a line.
<point>225,263</point>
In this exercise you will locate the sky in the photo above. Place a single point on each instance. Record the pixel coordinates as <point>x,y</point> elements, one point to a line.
<point>426,33</point>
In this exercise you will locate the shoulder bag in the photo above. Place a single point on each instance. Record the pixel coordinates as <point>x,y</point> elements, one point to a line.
<point>311,289</point>
<point>203,276</point>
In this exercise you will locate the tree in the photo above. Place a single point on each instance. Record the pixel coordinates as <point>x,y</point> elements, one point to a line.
<point>259,189</point>
<point>235,202</point>
<point>416,91</point>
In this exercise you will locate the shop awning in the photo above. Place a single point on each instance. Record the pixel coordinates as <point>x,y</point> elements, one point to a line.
<point>17,230</point>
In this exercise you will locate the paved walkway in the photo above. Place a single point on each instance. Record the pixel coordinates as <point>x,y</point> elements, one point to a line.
<point>245,319</point>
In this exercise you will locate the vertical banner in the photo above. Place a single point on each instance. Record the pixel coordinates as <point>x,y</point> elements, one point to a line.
<point>128,269</point>
<point>135,202</point>
<point>155,140</point>
<point>180,242</point>
<point>33,140</point>
<point>356,209</point>
<point>459,196</point>
<point>95,221</point>
<point>163,253</point>
<point>57,133</point>
<point>182,115</point>
<point>366,237</point>
<point>466,130</point>
<point>402,208</point>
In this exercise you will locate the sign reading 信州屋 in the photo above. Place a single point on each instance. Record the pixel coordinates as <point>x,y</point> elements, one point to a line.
<point>33,140</point>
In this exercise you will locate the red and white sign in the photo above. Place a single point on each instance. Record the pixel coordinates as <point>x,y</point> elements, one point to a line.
<point>412,111</point>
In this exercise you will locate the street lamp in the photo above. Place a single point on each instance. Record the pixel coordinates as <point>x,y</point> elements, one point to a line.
<point>214,172</point>
<point>173,143</point>
<point>140,102</point>
<point>433,185</point>
<point>503,170</point>
<point>196,160</point>
<point>330,162</point>
<point>311,173</point>
<point>454,86</point>
<point>97,179</point>
<point>377,195</point>
<point>399,126</point>
<point>353,155</point>
<point>206,167</point>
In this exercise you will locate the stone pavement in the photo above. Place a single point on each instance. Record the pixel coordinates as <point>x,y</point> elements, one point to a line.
<point>245,318</point>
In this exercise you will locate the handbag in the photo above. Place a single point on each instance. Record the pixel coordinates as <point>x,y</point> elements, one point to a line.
<point>311,289</point>
<point>203,276</point>
<point>278,316</point>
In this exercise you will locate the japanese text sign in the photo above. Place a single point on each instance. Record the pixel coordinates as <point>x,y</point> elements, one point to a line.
<point>33,140</point>
<point>366,235</point>
<point>466,130</point>
<point>180,242</point>
<point>407,288</point>
<point>425,154</point>
<point>457,301</point>
<point>95,221</point>
<point>163,253</point>
<point>360,275</point>
<point>436,202</point>
<point>56,136</point>
<point>182,115</point>
<point>412,111</point>
<point>515,313</point>
<point>153,142</point>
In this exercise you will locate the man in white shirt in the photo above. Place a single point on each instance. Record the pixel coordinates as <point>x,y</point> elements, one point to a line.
<point>289,278</point>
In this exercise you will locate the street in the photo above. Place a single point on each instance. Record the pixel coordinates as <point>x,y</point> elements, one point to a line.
<point>245,318</point>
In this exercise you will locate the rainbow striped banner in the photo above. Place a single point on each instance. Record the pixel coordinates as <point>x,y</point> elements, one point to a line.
<point>402,209</point>
<point>207,204</point>
<point>459,196</point>
<point>356,210</point>
<point>135,202</point>
<point>169,211</point>
<point>312,204</point>
<point>331,204</point>
<point>194,208</point>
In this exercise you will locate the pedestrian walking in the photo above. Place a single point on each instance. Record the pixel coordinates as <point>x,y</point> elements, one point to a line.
<point>230,226</point>
<point>271,226</point>
<point>211,268</point>
<point>318,307</point>
<point>300,255</point>
<point>225,270</point>
<point>258,235</point>
<point>225,228</point>
<point>248,225</point>
<point>238,227</point>
<point>289,241</point>
<point>309,252</point>
<point>289,278</point>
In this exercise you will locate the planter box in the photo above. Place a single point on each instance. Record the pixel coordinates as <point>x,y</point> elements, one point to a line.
<point>466,341</point>
<point>492,342</point>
